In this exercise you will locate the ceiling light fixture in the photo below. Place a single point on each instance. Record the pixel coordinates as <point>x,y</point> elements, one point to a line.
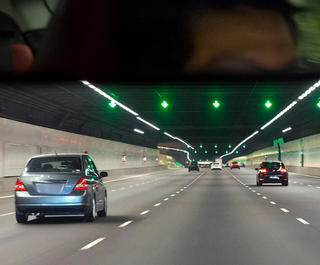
<point>138,131</point>
<point>175,149</point>
<point>148,123</point>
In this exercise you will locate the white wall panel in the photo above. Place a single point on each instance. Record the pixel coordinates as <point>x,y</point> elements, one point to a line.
<point>20,140</point>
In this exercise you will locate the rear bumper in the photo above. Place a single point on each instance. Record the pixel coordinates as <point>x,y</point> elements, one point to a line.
<point>264,179</point>
<point>51,205</point>
<point>216,168</point>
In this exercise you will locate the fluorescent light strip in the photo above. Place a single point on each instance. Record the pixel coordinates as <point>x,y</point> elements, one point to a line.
<point>245,140</point>
<point>148,123</point>
<point>279,115</point>
<point>102,93</point>
<point>138,131</point>
<point>286,130</point>
<point>175,149</point>
<point>180,140</point>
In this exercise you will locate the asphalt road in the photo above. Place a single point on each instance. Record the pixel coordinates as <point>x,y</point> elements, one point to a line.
<point>178,218</point>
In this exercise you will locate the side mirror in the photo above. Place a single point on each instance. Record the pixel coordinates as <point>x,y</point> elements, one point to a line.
<point>103,174</point>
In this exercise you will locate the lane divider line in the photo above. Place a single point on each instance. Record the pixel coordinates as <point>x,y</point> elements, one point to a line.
<point>6,197</point>
<point>284,210</point>
<point>273,203</point>
<point>145,212</point>
<point>125,224</point>
<point>93,243</point>
<point>265,198</point>
<point>157,204</point>
<point>302,221</point>
<point>6,214</point>
<point>165,199</point>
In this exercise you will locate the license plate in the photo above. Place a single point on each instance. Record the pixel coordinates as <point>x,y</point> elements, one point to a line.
<point>274,177</point>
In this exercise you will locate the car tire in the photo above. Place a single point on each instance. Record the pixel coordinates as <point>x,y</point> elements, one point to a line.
<point>91,212</point>
<point>259,183</point>
<point>103,213</point>
<point>285,184</point>
<point>21,218</point>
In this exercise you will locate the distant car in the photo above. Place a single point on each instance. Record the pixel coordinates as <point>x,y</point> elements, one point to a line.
<point>193,166</point>
<point>216,166</point>
<point>272,172</point>
<point>60,184</point>
<point>235,165</point>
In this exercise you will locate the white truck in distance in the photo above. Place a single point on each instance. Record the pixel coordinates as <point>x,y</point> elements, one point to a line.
<point>217,165</point>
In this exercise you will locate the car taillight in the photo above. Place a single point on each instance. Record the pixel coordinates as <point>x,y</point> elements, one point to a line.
<point>81,185</point>
<point>19,185</point>
<point>263,170</point>
<point>283,170</point>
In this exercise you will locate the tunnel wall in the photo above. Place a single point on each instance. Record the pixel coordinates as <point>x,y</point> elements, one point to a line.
<point>19,141</point>
<point>300,156</point>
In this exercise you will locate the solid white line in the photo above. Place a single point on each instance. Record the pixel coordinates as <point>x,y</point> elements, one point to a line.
<point>157,204</point>
<point>93,243</point>
<point>123,188</point>
<point>8,196</point>
<point>181,189</point>
<point>284,210</point>
<point>272,202</point>
<point>295,182</point>
<point>5,214</point>
<point>144,212</point>
<point>166,199</point>
<point>318,187</point>
<point>265,198</point>
<point>302,221</point>
<point>125,224</point>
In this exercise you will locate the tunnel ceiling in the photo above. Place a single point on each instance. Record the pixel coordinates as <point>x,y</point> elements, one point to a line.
<point>190,115</point>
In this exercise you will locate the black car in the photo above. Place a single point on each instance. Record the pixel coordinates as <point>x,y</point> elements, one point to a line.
<point>272,172</point>
<point>193,166</point>
<point>235,165</point>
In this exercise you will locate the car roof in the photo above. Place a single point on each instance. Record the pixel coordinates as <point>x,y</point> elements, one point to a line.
<point>59,154</point>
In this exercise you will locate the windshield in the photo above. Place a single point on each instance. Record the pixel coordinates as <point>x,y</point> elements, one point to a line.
<point>54,164</point>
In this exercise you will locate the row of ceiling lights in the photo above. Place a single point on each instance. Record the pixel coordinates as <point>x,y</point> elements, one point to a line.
<point>114,102</point>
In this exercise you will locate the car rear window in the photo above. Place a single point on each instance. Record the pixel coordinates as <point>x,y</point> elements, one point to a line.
<point>272,165</point>
<point>54,164</point>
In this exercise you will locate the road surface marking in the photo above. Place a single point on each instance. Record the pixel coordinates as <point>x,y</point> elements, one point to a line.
<point>157,204</point>
<point>125,224</point>
<point>295,182</point>
<point>8,196</point>
<point>137,176</point>
<point>302,221</point>
<point>284,210</point>
<point>113,190</point>
<point>265,198</point>
<point>5,214</point>
<point>258,194</point>
<point>172,195</point>
<point>309,185</point>
<point>177,192</point>
<point>93,243</point>
<point>272,202</point>
<point>144,212</point>
<point>166,199</point>
<point>305,175</point>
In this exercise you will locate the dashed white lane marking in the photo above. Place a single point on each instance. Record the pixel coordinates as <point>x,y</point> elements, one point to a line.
<point>177,192</point>
<point>309,185</point>
<point>318,187</point>
<point>302,221</point>
<point>165,199</point>
<point>305,175</point>
<point>113,190</point>
<point>258,194</point>
<point>284,210</point>
<point>157,204</point>
<point>6,214</point>
<point>250,189</point>
<point>172,195</point>
<point>93,243</point>
<point>253,191</point>
<point>265,198</point>
<point>181,189</point>
<point>6,197</point>
<point>144,212</point>
<point>123,188</point>
<point>273,203</point>
<point>295,182</point>
<point>125,224</point>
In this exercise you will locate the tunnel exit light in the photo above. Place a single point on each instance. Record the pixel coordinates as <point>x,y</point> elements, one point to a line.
<point>268,104</point>
<point>164,104</point>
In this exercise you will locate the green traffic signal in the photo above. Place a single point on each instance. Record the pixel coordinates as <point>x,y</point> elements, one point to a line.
<point>112,104</point>
<point>216,104</point>
<point>164,104</point>
<point>268,104</point>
